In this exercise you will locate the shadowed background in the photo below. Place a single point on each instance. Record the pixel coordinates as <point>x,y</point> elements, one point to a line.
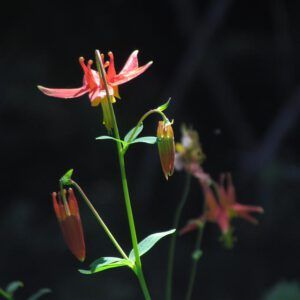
<point>233,71</point>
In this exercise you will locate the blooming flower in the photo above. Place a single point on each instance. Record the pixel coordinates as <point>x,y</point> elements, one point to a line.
<point>221,207</point>
<point>93,84</point>
<point>228,201</point>
<point>68,216</point>
<point>166,147</point>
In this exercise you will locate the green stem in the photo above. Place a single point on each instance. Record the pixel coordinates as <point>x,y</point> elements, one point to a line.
<point>5,294</point>
<point>134,241</point>
<point>195,258</point>
<point>142,119</point>
<point>171,254</point>
<point>99,219</point>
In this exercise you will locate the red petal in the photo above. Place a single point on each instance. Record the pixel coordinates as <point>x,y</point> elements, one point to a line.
<point>59,209</point>
<point>125,77</point>
<point>64,93</point>
<point>240,208</point>
<point>189,227</point>
<point>248,217</point>
<point>131,63</point>
<point>73,205</point>
<point>111,72</point>
<point>223,221</point>
<point>210,201</point>
<point>73,235</point>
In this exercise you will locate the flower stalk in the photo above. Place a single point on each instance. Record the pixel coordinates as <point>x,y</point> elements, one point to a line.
<point>195,257</point>
<point>138,264</point>
<point>99,219</point>
<point>171,254</point>
<point>140,122</point>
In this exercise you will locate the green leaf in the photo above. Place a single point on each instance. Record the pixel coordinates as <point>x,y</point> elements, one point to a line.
<point>136,134</point>
<point>107,137</point>
<point>13,286</point>
<point>105,263</point>
<point>145,139</point>
<point>66,179</point>
<point>5,294</point>
<point>39,294</point>
<point>146,244</point>
<point>197,254</point>
<point>164,106</point>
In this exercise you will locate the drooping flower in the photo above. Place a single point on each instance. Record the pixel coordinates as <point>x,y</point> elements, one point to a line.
<point>68,216</point>
<point>189,151</point>
<point>94,86</point>
<point>166,147</point>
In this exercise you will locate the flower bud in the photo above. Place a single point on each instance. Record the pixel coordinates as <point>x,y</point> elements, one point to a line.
<point>166,147</point>
<point>68,217</point>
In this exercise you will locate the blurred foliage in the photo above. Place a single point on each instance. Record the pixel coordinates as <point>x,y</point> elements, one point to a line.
<point>12,287</point>
<point>283,291</point>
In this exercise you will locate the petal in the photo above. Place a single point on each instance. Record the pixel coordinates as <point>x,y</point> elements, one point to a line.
<point>230,188</point>
<point>125,77</point>
<point>210,201</point>
<point>73,205</point>
<point>90,76</point>
<point>98,94</point>
<point>248,218</point>
<point>131,63</point>
<point>111,72</point>
<point>243,211</point>
<point>73,235</point>
<point>223,221</point>
<point>227,194</point>
<point>189,227</point>
<point>64,93</point>
<point>240,208</point>
<point>58,208</point>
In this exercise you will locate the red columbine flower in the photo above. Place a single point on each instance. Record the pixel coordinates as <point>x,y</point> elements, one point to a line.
<point>166,147</point>
<point>70,223</point>
<point>94,86</point>
<point>220,207</point>
<point>228,201</point>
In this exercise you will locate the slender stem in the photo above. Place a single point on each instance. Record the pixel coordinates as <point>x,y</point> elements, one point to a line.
<point>196,256</point>
<point>5,294</point>
<point>99,219</point>
<point>171,255</point>
<point>134,240</point>
<point>142,119</point>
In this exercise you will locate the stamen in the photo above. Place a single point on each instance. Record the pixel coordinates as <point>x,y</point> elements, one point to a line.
<point>81,61</point>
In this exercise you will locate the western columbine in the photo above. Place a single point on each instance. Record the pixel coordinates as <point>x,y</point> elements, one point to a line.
<point>94,86</point>
<point>221,207</point>
<point>68,216</point>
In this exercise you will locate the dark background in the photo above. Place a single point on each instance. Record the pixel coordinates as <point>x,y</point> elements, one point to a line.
<point>232,69</point>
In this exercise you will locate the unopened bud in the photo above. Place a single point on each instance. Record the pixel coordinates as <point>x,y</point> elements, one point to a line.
<point>166,147</point>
